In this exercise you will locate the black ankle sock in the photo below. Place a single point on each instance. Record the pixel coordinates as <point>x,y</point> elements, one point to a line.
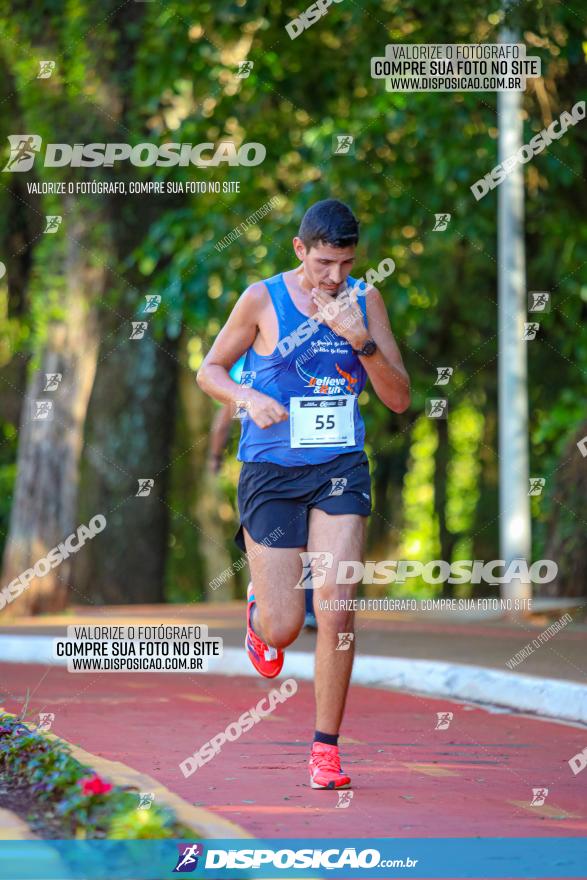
<point>331,739</point>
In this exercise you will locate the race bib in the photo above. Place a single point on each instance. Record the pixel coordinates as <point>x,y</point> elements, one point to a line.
<point>322,421</point>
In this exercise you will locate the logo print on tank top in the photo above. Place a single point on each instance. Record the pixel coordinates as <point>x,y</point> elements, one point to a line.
<point>327,384</point>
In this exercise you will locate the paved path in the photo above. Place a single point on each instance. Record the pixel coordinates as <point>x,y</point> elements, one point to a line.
<point>410,780</point>
<point>451,638</point>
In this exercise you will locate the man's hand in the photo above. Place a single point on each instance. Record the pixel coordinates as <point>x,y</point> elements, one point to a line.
<point>342,314</point>
<point>262,409</point>
<point>214,464</point>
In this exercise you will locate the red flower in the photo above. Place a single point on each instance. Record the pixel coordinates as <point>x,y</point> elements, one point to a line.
<point>94,785</point>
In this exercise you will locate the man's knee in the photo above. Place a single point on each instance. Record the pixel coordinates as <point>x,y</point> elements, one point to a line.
<point>334,622</point>
<point>335,609</point>
<point>280,633</point>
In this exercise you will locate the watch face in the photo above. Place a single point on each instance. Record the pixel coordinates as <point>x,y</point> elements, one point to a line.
<point>369,347</point>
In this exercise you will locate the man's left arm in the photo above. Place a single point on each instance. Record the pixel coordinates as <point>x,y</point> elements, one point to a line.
<point>385,367</point>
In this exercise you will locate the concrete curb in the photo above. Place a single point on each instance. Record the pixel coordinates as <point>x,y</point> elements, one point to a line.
<point>546,697</point>
<point>12,827</point>
<point>203,823</point>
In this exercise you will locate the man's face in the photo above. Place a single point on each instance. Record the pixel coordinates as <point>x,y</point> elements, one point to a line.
<point>325,266</point>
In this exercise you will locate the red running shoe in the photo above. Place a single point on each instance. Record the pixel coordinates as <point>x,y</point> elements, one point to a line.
<point>267,661</point>
<point>325,770</point>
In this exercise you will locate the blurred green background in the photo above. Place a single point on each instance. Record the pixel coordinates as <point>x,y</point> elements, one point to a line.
<point>130,409</point>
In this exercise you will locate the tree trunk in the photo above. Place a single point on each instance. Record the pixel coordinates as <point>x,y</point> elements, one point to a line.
<point>128,440</point>
<point>441,459</point>
<point>208,497</point>
<point>388,468</point>
<point>20,229</point>
<point>45,497</point>
<point>565,528</point>
<point>484,528</point>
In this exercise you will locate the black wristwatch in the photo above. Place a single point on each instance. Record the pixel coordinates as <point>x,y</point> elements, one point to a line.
<point>369,348</point>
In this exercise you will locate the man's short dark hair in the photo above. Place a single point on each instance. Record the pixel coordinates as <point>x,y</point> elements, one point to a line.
<point>329,222</point>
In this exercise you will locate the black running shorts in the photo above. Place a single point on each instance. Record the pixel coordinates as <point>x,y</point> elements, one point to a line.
<point>274,501</point>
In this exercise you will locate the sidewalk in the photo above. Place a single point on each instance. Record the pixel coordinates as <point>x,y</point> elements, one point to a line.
<point>489,643</point>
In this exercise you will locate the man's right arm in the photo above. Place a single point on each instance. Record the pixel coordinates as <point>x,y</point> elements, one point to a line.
<point>235,338</point>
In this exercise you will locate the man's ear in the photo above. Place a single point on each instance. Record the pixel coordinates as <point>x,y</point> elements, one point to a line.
<point>299,248</point>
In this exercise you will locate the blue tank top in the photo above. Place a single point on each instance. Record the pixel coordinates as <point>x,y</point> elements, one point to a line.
<point>309,361</point>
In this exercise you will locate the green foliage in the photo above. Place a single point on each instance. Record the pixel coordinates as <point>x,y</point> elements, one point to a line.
<point>465,427</point>
<point>166,72</point>
<point>8,443</point>
<point>154,823</point>
<point>420,540</point>
<point>55,776</point>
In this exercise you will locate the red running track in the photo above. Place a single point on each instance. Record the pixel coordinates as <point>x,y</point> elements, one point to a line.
<point>410,780</point>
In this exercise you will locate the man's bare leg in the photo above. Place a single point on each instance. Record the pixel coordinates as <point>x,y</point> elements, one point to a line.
<point>279,609</point>
<point>344,537</point>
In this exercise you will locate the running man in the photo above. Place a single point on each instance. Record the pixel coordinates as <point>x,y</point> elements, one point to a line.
<point>221,424</point>
<point>312,337</point>
<point>219,433</point>
<point>24,150</point>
